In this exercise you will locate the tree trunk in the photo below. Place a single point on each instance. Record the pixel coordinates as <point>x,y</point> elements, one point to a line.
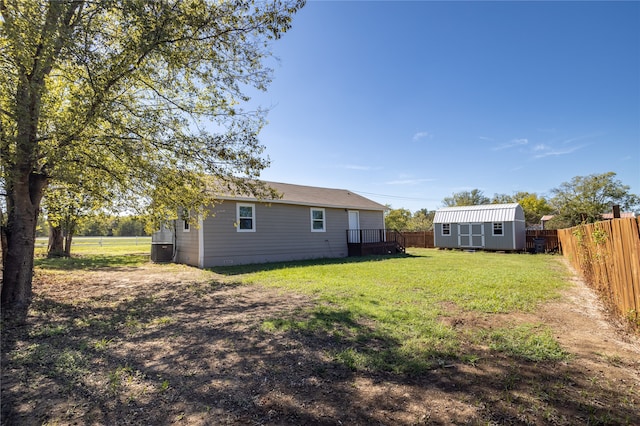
<point>55,247</point>
<point>23,203</point>
<point>67,244</point>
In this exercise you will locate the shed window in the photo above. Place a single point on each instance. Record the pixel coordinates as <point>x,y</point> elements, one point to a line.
<point>446,229</point>
<point>317,220</point>
<point>497,228</point>
<point>246,218</point>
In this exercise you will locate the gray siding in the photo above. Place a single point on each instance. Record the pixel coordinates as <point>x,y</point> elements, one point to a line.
<point>371,219</point>
<point>513,238</point>
<point>283,232</point>
<point>187,250</point>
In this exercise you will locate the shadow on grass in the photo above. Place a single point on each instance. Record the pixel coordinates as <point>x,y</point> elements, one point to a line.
<point>90,262</point>
<point>260,267</point>
<point>215,354</point>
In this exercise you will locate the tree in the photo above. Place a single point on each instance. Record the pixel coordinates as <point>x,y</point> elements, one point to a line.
<point>534,206</point>
<point>144,96</point>
<point>397,219</point>
<point>96,225</point>
<point>422,220</point>
<point>130,226</point>
<point>474,197</point>
<point>585,198</point>
<point>66,206</point>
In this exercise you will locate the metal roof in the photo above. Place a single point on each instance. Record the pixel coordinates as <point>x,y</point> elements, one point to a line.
<point>483,213</point>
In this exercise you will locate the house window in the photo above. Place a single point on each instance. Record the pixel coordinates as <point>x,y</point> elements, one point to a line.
<point>246,218</point>
<point>497,228</point>
<point>446,229</point>
<point>317,220</point>
<point>185,221</point>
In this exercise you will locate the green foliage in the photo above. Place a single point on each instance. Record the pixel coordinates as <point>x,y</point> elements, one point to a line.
<point>585,198</point>
<point>138,103</point>
<point>534,206</point>
<point>558,222</point>
<point>404,220</point>
<point>130,226</point>
<point>466,198</point>
<point>65,207</point>
<point>397,219</point>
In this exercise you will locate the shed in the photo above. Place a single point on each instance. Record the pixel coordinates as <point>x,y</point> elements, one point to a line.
<point>486,227</point>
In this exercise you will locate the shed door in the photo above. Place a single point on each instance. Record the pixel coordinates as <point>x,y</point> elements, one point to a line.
<point>471,235</point>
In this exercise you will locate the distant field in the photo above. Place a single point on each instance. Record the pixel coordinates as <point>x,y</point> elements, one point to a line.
<point>102,245</point>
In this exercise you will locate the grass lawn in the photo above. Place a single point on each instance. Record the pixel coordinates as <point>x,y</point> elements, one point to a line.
<point>431,337</point>
<point>108,246</point>
<point>395,310</point>
<point>96,252</point>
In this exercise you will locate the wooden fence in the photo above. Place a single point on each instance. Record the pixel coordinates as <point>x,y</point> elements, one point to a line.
<point>607,255</point>
<point>547,239</point>
<point>418,239</point>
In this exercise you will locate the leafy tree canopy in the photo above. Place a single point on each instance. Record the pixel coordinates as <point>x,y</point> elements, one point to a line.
<point>474,197</point>
<point>403,220</point>
<point>534,206</point>
<point>140,100</point>
<point>586,198</point>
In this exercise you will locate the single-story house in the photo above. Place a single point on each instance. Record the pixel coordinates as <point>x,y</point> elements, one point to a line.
<point>305,223</point>
<point>486,227</point>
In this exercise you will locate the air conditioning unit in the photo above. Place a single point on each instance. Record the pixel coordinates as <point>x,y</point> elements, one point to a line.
<point>162,246</point>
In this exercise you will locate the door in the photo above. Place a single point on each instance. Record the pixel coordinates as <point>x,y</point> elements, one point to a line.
<point>354,226</point>
<point>471,235</point>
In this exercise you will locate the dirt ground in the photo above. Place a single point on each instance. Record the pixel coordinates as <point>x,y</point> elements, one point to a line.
<point>167,344</point>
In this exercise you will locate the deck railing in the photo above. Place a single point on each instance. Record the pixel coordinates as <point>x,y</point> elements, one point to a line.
<point>374,241</point>
<point>366,236</point>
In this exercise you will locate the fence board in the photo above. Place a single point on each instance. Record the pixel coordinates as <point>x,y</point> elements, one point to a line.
<point>607,256</point>
<point>422,239</point>
<point>551,242</point>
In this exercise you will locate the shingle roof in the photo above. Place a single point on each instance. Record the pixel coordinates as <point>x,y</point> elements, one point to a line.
<point>318,197</point>
<point>483,213</point>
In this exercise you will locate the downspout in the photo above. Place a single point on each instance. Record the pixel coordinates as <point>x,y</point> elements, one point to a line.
<point>175,242</point>
<point>200,242</point>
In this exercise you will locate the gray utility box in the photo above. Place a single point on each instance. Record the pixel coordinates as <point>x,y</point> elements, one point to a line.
<point>162,246</point>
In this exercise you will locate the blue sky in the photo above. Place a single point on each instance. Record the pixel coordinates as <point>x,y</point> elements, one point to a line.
<point>407,103</point>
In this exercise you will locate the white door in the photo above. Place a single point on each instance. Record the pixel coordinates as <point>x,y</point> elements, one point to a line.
<point>471,235</point>
<point>354,226</point>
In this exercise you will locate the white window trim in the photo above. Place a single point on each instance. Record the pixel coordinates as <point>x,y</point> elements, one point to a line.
<point>493,229</point>
<point>186,226</point>
<point>253,217</point>
<point>324,219</point>
<point>448,234</point>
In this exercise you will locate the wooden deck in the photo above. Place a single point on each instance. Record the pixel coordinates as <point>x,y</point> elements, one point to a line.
<point>365,242</point>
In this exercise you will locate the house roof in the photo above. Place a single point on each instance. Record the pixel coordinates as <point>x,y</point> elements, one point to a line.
<point>483,213</point>
<point>622,215</point>
<point>317,197</point>
<point>605,216</point>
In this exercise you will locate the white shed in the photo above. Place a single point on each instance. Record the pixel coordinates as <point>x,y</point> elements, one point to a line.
<point>487,227</point>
